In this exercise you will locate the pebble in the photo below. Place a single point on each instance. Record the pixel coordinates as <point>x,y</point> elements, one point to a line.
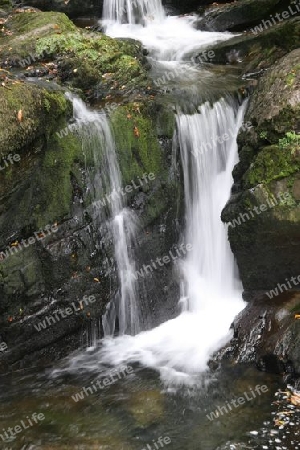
<point>282,433</point>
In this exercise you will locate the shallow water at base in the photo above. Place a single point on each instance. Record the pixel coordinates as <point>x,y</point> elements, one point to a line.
<point>134,411</point>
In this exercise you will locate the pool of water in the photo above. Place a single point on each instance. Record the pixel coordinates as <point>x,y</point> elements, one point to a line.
<point>133,412</point>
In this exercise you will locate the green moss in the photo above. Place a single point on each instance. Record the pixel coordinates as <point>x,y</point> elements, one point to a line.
<point>272,163</point>
<point>95,59</point>
<point>138,149</point>
<point>32,21</point>
<point>41,111</point>
<point>27,28</point>
<point>295,309</point>
<point>291,139</point>
<point>55,195</point>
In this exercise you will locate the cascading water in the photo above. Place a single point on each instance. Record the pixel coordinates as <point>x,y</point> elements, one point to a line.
<point>132,11</point>
<point>207,160</point>
<point>211,295</point>
<point>97,137</point>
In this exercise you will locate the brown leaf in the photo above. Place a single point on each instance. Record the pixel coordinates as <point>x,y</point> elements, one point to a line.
<point>20,115</point>
<point>136,132</point>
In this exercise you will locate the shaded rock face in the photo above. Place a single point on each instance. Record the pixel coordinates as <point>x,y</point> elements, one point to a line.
<point>237,16</point>
<point>178,6</point>
<point>73,8</point>
<point>257,52</point>
<point>266,240</point>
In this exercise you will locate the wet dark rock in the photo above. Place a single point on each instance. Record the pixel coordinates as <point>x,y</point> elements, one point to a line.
<point>259,51</point>
<point>270,363</point>
<point>268,334</point>
<point>237,16</point>
<point>73,8</point>
<point>188,6</point>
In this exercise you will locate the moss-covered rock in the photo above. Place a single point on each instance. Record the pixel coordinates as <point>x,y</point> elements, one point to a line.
<point>28,113</point>
<point>23,30</point>
<point>138,148</point>
<point>90,61</point>
<point>95,61</point>
<point>266,241</point>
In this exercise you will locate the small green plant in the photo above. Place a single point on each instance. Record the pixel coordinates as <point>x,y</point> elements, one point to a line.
<point>47,104</point>
<point>263,134</point>
<point>291,138</point>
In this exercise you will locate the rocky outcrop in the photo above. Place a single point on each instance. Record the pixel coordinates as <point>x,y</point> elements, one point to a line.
<point>267,331</point>
<point>265,236</point>
<point>188,6</point>
<point>73,8</point>
<point>256,51</point>
<point>237,16</point>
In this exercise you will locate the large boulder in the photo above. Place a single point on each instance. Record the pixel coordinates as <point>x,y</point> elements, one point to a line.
<point>264,213</point>
<point>237,15</point>
<point>90,61</point>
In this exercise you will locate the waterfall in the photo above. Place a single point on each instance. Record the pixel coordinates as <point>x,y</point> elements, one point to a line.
<point>132,11</point>
<point>211,293</point>
<point>209,153</point>
<point>95,132</point>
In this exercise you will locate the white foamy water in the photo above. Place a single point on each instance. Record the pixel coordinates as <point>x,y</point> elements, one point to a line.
<point>211,293</point>
<point>169,39</point>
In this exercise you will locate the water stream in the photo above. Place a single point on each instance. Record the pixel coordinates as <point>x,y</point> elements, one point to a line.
<point>211,293</point>
<point>97,138</point>
<point>170,392</point>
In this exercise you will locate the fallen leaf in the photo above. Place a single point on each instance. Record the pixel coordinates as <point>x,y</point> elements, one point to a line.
<point>136,132</point>
<point>295,400</point>
<point>20,115</point>
<point>97,280</point>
